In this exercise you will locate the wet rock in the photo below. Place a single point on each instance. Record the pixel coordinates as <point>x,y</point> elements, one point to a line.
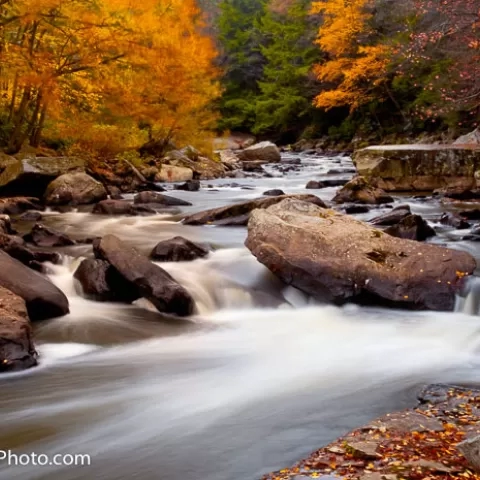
<point>356,209</point>
<point>17,351</point>
<point>153,283</point>
<point>44,300</point>
<point>190,186</point>
<point>102,283</point>
<point>253,166</point>
<point>26,174</point>
<point>18,205</point>
<point>314,185</point>
<point>474,235</point>
<point>455,221</point>
<point>458,193</point>
<point>291,161</point>
<point>304,245</point>
<point>121,207</point>
<point>146,198</point>
<point>341,171</point>
<point>412,227</point>
<point>359,191</point>
<point>239,213</point>
<point>229,159</point>
<point>393,217</point>
<point>273,193</point>
<point>471,214</point>
<point>6,225</point>
<point>266,152</point>
<point>31,217</point>
<point>114,193</point>
<point>335,182</point>
<point>74,189</point>
<point>43,236</point>
<point>177,249</point>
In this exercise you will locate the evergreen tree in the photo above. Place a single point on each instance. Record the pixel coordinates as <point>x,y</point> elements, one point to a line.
<point>241,60</point>
<point>287,87</point>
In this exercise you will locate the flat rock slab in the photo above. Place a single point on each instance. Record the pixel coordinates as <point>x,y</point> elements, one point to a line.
<point>419,167</point>
<point>336,258</point>
<point>239,213</point>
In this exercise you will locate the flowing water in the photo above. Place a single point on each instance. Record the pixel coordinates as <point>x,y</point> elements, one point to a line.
<point>258,378</point>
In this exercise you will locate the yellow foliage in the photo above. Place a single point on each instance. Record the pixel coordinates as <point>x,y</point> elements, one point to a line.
<point>355,67</point>
<point>104,65</point>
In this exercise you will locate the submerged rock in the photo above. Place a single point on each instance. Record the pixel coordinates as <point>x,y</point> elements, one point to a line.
<point>177,249</point>
<point>359,191</point>
<point>305,246</point>
<point>17,351</point>
<point>44,300</point>
<point>239,213</point>
<point>151,281</point>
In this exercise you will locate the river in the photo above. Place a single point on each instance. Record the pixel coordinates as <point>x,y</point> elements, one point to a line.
<point>260,377</point>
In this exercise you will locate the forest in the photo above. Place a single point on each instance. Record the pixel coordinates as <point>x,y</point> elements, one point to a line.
<point>100,76</point>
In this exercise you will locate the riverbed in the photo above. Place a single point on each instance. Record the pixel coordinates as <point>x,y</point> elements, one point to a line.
<point>258,378</point>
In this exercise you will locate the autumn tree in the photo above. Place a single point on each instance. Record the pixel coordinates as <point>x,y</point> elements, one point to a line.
<point>85,64</point>
<point>354,73</point>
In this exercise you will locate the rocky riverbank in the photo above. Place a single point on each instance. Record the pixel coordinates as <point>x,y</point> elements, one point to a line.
<point>430,442</point>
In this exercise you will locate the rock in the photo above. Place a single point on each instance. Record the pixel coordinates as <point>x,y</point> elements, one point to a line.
<point>17,205</point>
<point>6,225</point>
<point>44,300</point>
<point>430,465</point>
<point>472,138</point>
<point>150,173</point>
<point>266,152</point>
<point>341,171</point>
<point>239,213</point>
<point>393,217</point>
<point>359,191</point>
<point>254,166</point>
<point>145,198</point>
<point>453,220</point>
<point>177,249</point>
<point>411,227</point>
<point>304,245</point>
<point>32,258</point>
<point>102,283</point>
<point>418,167</point>
<point>31,216</point>
<point>16,346</point>
<point>203,168</point>
<point>121,207</point>
<point>153,283</point>
<point>336,182</point>
<point>470,449</point>
<point>74,189</point>
<point>458,193</point>
<point>291,161</point>
<point>235,141</point>
<point>30,175</point>
<point>405,423</point>
<point>114,193</point>
<point>366,450</point>
<point>43,236</point>
<point>356,209</point>
<point>273,193</point>
<point>470,214</point>
<point>170,173</point>
<point>229,159</point>
<point>190,186</point>
<point>314,185</point>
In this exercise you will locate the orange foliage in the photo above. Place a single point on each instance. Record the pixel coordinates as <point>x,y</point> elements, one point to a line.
<point>355,67</point>
<point>105,62</point>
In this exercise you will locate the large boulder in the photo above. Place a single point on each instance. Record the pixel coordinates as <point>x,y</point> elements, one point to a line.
<point>203,168</point>
<point>44,300</point>
<point>17,351</point>
<point>30,175</point>
<point>103,283</point>
<point>239,213</point>
<point>229,159</point>
<point>152,282</point>
<point>171,173</point>
<point>18,205</point>
<point>359,191</point>
<point>304,245</point>
<point>419,167</point>
<point>266,152</point>
<point>177,249</point>
<point>74,189</point>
